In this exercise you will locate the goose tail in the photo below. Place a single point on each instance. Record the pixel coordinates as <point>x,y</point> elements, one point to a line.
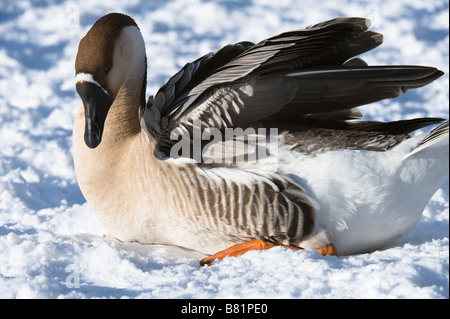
<point>427,164</point>
<point>436,142</point>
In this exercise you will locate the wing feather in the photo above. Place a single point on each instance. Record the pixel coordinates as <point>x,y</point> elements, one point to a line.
<point>295,77</point>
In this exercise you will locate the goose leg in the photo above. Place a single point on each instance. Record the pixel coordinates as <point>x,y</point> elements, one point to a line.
<point>256,244</point>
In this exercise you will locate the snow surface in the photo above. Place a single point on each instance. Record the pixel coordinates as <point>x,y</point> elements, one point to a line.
<point>51,245</point>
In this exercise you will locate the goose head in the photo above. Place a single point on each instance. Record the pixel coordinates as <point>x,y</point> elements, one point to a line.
<point>110,63</point>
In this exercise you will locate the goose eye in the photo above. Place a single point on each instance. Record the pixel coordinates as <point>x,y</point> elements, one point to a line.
<point>107,68</point>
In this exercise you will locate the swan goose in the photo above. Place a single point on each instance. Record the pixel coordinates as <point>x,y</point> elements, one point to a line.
<point>322,182</point>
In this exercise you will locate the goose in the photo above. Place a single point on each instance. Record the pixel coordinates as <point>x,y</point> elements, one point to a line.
<point>255,145</point>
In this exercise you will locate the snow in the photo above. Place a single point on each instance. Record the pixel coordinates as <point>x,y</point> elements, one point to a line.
<point>51,245</point>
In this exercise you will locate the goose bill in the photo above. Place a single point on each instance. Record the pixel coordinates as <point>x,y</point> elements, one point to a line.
<point>96,106</point>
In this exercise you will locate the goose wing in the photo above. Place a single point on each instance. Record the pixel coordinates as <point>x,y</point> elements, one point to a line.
<point>294,77</point>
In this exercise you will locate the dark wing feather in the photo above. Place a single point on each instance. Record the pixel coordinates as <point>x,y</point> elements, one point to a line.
<point>287,78</point>
<point>175,92</point>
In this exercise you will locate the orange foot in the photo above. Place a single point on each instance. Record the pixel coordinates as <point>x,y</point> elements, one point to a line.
<point>256,244</point>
